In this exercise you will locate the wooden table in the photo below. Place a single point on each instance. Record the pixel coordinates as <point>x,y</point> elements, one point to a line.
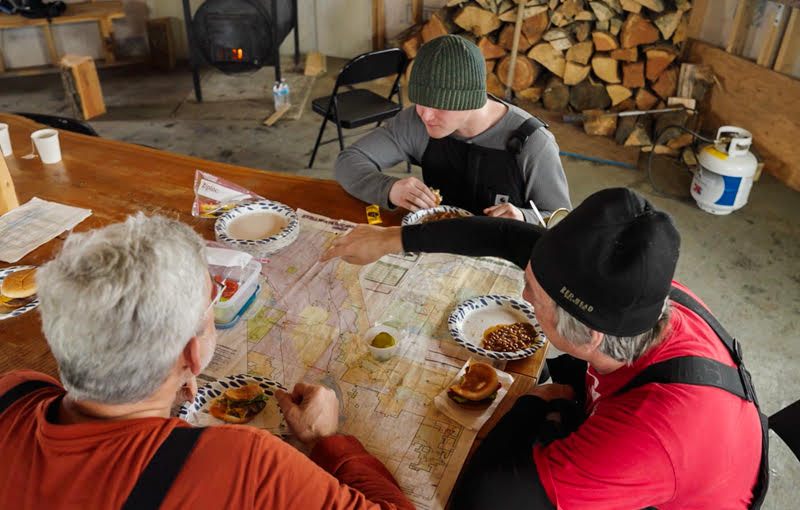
<point>115,179</point>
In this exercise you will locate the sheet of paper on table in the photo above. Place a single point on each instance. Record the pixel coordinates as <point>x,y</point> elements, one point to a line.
<point>309,323</point>
<point>34,223</point>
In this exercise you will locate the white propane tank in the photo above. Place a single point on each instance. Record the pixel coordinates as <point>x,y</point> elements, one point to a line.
<point>725,172</point>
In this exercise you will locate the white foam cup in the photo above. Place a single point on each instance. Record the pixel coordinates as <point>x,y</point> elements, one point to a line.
<point>5,140</point>
<point>46,142</point>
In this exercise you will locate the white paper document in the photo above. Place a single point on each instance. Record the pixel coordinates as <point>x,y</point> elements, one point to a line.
<point>32,224</point>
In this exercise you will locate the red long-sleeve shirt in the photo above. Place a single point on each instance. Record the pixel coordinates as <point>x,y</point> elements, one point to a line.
<point>95,465</point>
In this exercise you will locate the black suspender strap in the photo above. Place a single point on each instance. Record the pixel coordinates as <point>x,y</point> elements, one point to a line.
<point>691,370</point>
<point>521,134</point>
<point>20,390</point>
<point>156,480</point>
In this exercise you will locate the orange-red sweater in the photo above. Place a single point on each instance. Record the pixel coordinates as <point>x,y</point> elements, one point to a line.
<point>95,465</point>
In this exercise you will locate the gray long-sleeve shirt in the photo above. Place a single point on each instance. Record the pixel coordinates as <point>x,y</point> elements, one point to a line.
<point>404,138</point>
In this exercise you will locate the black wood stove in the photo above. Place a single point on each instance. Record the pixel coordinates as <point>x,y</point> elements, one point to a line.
<point>239,35</point>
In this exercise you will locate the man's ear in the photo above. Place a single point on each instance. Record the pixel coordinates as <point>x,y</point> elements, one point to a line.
<point>191,355</point>
<point>597,337</point>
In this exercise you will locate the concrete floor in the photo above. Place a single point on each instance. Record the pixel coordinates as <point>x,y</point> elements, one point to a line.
<point>745,266</point>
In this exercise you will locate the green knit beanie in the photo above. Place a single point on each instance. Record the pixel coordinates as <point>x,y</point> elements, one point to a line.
<point>449,73</point>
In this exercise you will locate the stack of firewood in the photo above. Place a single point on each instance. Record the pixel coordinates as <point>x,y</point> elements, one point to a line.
<point>573,55</point>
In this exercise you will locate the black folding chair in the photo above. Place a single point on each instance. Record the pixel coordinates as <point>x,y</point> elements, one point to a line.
<point>786,423</point>
<point>358,107</point>
<point>65,123</point>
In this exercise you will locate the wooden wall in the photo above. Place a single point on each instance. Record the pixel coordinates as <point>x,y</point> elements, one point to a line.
<point>764,102</point>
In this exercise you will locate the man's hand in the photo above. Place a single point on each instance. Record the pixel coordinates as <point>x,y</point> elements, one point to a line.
<point>553,391</point>
<point>311,411</point>
<point>365,244</point>
<point>412,194</point>
<point>505,210</point>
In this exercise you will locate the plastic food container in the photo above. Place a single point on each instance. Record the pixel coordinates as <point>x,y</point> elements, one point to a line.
<point>385,353</point>
<point>247,277</point>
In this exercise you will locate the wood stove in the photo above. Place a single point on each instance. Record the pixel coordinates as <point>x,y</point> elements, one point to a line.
<point>239,35</point>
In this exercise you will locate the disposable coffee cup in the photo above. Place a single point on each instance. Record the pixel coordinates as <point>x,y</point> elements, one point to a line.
<point>556,217</point>
<point>5,140</point>
<point>46,142</point>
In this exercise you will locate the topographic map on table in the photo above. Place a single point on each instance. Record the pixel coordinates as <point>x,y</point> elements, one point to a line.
<point>308,324</point>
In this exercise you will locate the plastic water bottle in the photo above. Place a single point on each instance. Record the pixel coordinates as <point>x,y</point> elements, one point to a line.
<point>284,91</point>
<point>277,96</point>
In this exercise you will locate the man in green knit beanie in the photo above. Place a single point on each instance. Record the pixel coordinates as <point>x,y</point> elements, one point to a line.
<point>484,155</point>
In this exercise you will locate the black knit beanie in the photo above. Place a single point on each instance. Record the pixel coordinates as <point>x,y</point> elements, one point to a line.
<point>610,262</point>
<point>449,73</point>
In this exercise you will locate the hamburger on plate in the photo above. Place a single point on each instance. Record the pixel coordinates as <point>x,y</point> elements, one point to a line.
<point>18,289</point>
<point>477,388</point>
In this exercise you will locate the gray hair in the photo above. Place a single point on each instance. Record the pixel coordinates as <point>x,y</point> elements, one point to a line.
<point>621,348</point>
<point>119,304</point>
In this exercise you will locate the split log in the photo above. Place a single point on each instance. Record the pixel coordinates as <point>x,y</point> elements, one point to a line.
<point>506,39</point>
<point>636,31</point>
<point>631,6</point>
<point>606,68</point>
<point>552,59</point>
<point>688,157</point>
<point>668,22</point>
<point>581,29</point>
<point>645,100</point>
<point>666,150</point>
<point>588,95</point>
<point>633,74</point>
<point>663,121</point>
<point>680,141</point>
<point>571,8</point>
<point>683,5</point>
<point>594,124</point>
<point>559,19</point>
<point>618,93</point>
<point>552,4</point>
<point>531,93</point>
<point>615,25</point>
<point>658,59</point>
<point>601,10</point>
<point>639,137</point>
<point>682,32</point>
<point>615,5</point>
<point>535,26</point>
<point>554,33</point>
<point>653,5</point>
<point>555,96</point>
<point>625,54</point>
<point>510,16</point>
<point>603,41</point>
<point>490,65</point>
<point>525,72</point>
<point>686,102</point>
<point>562,44</point>
<point>625,127</point>
<point>695,81</point>
<point>493,85</point>
<point>575,73</point>
<point>490,50</point>
<point>476,20</point>
<point>602,25</point>
<point>585,16</point>
<point>667,83</point>
<point>581,52</point>
<point>625,105</point>
<point>437,25</point>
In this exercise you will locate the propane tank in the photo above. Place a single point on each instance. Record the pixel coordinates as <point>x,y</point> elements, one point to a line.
<point>725,171</point>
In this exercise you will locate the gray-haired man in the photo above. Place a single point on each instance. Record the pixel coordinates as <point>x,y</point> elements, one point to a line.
<point>127,312</point>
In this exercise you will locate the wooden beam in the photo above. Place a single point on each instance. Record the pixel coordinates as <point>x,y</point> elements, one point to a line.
<point>741,22</point>
<point>51,45</point>
<point>2,62</point>
<point>790,47</point>
<point>8,196</point>
<point>777,18</point>
<point>696,17</point>
<point>107,39</point>
<point>417,11</point>
<point>378,25</point>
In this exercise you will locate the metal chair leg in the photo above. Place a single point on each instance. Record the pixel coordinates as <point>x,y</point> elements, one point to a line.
<point>316,145</point>
<point>339,131</point>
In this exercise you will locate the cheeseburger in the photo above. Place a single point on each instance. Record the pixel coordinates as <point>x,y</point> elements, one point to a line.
<point>239,405</point>
<point>477,388</point>
<point>18,289</point>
